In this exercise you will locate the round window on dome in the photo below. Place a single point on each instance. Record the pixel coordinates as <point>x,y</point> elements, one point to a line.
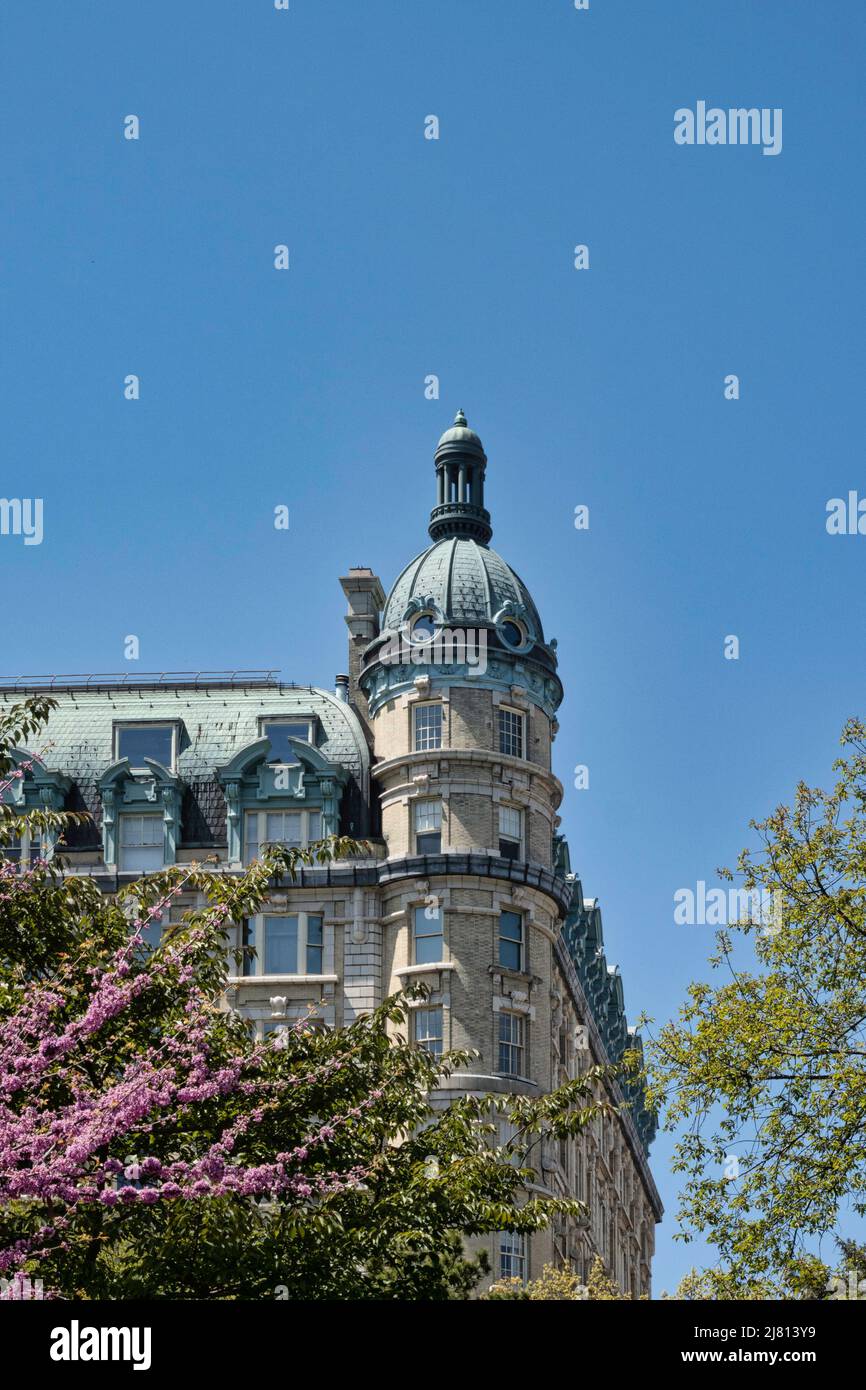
<point>423,628</point>
<point>513,632</point>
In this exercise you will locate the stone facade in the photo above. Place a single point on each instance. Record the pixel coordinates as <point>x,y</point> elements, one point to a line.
<point>441,761</point>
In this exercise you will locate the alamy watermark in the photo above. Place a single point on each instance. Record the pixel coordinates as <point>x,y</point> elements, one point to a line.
<point>450,646</point>
<point>719,907</point>
<point>738,125</point>
<point>22,516</point>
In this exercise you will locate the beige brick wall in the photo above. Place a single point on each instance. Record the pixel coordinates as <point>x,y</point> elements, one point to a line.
<point>470,822</point>
<point>471,719</point>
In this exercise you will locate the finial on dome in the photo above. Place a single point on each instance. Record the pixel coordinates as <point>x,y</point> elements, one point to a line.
<point>460,463</point>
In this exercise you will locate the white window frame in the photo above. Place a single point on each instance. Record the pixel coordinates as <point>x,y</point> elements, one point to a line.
<point>420,744</point>
<point>125,818</point>
<point>420,809</point>
<point>516,1043</point>
<point>262,836</point>
<point>122,725</point>
<point>520,716</point>
<point>422,1014</point>
<point>506,812</point>
<point>254,966</point>
<point>511,1253</point>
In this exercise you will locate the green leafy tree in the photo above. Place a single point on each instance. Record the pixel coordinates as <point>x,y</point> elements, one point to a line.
<point>765,1071</point>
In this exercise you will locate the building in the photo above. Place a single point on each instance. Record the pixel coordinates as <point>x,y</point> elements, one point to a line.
<point>436,750</point>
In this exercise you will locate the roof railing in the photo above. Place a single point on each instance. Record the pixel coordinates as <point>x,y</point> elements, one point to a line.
<point>119,680</point>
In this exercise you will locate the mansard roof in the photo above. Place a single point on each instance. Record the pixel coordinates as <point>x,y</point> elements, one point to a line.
<point>216,722</point>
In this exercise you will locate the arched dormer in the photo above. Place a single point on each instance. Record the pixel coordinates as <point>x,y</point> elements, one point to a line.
<point>291,803</point>
<point>32,787</point>
<point>141,811</point>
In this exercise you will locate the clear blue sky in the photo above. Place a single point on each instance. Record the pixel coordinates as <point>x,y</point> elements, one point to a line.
<point>411,257</point>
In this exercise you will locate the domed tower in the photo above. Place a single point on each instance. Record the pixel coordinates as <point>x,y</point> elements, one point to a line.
<point>462,691</point>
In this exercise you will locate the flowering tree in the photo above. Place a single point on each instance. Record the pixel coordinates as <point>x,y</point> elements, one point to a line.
<point>149,1147</point>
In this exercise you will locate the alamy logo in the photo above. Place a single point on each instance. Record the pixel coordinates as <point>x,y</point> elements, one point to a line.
<point>451,646</point>
<point>22,516</point>
<point>714,907</point>
<point>739,125</point>
<point>77,1343</point>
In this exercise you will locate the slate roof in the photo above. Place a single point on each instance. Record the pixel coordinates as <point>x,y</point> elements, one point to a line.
<point>216,722</point>
<point>469,582</point>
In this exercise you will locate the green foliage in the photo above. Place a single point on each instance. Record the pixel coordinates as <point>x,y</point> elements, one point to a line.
<point>562,1285</point>
<point>768,1066</point>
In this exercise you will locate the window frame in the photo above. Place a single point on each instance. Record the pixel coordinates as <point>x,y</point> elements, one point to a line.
<point>417,805</point>
<point>254,933</point>
<point>428,935</point>
<point>511,1254</point>
<point>122,725</point>
<point>20,850</point>
<point>516,1046</point>
<point>124,818</point>
<point>519,941</point>
<point>520,716</point>
<point>437,1037</point>
<point>419,707</point>
<point>508,838</point>
<point>305,812</point>
<point>267,719</point>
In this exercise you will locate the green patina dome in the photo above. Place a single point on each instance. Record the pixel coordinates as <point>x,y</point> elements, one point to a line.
<point>469,584</point>
<point>459,582</point>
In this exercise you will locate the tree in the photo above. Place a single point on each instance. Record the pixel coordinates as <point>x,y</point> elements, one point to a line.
<point>149,1147</point>
<point>562,1285</point>
<point>766,1070</point>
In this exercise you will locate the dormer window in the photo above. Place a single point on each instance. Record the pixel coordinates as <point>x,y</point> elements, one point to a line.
<point>140,741</point>
<point>424,628</point>
<point>279,731</point>
<point>513,632</point>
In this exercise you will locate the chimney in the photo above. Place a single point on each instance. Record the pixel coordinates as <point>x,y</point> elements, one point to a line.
<point>341,688</point>
<point>366,598</point>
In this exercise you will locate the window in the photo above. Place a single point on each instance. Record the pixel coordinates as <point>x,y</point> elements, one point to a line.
<point>279,731</point>
<point>295,829</point>
<point>511,733</point>
<point>428,827</point>
<point>142,840</point>
<point>513,632</point>
<point>510,832</point>
<point>139,741</point>
<point>25,849</point>
<point>315,945</point>
<point>428,1030</point>
<point>285,944</point>
<point>428,727</point>
<point>429,941</point>
<point>512,1256</point>
<point>424,628</point>
<point>281,945</point>
<point>511,940</point>
<point>511,1044</point>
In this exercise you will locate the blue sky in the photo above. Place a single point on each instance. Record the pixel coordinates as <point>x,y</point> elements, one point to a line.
<point>454,257</point>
